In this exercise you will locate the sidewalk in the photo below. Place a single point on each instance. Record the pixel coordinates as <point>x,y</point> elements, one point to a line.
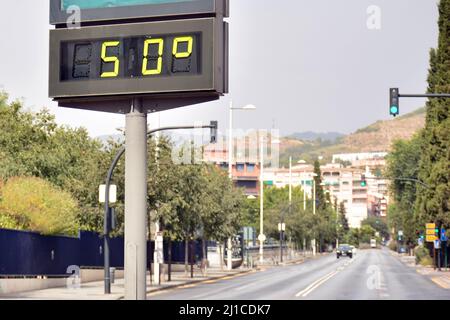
<point>441,278</point>
<point>94,290</point>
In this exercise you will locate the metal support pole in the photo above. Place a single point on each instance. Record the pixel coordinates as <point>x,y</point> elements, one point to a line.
<point>261,205</point>
<point>428,95</point>
<point>229,254</point>
<point>136,203</point>
<point>120,153</point>
<point>230,174</point>
<point>313,244</point>
<point>106,258</point>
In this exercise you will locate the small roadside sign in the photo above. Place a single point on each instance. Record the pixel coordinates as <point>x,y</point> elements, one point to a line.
<point>437,244</point>
<point>112,193</point>
<point>444,237</point>
<point>431,232</point>
<point>261,238</point>
<point>431,238</point>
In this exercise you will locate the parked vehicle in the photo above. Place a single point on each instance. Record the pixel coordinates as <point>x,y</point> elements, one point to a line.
<point>373,243</point>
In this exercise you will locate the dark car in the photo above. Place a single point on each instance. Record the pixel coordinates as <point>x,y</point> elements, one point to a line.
<point>344,251</point>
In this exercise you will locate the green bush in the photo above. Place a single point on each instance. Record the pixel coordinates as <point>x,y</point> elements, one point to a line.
<point>426,261</point>
<point>393,246</point>
<point>36,205</point>
<point>422,255</point>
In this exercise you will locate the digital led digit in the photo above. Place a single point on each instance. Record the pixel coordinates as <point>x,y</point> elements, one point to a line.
<point>159,59</point>
<point>110,59</point>
<point>188,52</point>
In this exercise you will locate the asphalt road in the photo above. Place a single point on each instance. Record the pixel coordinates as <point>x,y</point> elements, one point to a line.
<point>371,275</point>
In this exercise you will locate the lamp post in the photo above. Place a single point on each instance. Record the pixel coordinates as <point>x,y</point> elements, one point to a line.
<point>230,167</point>
<point>107,282</point>
<point>261,237</point>
<point>313,244</point>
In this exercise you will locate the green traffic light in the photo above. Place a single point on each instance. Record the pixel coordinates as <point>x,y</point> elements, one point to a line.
<point>363,184</point>
<point>394,110</point>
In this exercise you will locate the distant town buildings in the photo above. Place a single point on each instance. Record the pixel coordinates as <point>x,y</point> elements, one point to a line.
<point>342,179</point>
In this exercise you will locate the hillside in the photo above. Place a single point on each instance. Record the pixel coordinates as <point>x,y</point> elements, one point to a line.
<point>376,137</point>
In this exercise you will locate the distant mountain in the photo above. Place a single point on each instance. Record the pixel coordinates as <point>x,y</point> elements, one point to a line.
<point>377,137</point>
<point>312,136</point>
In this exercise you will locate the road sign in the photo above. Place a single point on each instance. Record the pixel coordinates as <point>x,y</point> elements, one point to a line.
<point>400,233</point>
<point>281,227</point>
<point>261,238</point>
<point>430,238</point>
<point>112,193</point>
<point>437,244</point>
<point>105,11</point>
<point>168,64</point>
<point>443,235</point>
<point>431,226</point>
<point>431,232</point>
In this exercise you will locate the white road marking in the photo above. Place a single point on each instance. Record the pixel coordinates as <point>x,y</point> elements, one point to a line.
<point>318,283</point>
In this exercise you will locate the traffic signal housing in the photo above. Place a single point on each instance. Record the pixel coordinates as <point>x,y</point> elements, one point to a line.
<point>214,131</point>
<point>363,181</point>
<point>394,104</point>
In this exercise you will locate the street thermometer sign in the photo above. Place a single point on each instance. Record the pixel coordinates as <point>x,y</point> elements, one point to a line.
<point>171,63</point>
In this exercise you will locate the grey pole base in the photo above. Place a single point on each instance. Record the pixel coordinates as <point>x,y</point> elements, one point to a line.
<point>136,203</point>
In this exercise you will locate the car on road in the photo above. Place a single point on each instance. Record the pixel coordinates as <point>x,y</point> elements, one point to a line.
<point>373,243</point>
<point>344,250</point>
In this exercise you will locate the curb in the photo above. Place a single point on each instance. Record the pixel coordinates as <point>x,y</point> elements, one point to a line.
<point>195,282</point>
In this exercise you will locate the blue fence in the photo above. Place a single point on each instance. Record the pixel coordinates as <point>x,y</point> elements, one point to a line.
<point>25,253</point>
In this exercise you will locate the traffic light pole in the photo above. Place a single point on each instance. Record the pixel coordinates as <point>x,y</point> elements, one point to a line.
<point>395,96</point>
<point>106,221</point>
<point>429,95</point>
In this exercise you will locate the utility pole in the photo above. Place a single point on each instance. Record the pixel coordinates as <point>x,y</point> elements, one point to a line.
<point>107,285</point>
<point>157,249</point>
<point>314,213</point>
<point>261,205</point>
<point>230,167</point>
<point>230,174</point>
<point>290,190</point>
<point>136,203</point>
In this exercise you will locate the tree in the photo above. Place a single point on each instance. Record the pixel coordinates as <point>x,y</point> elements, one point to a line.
<point>33,145</point>
<point>433,205</point>
<point>343,227</point>
<point>37,205</point>
<point>378,224</point>
<point>320,195</point>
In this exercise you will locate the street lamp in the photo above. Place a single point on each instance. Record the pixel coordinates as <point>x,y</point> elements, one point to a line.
<point>248,107</point>
<point>314,175</point>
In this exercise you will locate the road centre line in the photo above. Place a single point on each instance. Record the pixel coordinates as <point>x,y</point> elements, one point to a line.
<point>316,284</point>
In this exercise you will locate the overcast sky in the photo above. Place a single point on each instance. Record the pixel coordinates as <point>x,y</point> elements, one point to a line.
<point>306,64</point>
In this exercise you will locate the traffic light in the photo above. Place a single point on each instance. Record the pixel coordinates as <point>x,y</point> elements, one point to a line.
<point>394,105</point>
<point>214,128</point>
<point>363,181</point>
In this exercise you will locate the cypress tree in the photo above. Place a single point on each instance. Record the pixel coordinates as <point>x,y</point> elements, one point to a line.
<point>433,205</point>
